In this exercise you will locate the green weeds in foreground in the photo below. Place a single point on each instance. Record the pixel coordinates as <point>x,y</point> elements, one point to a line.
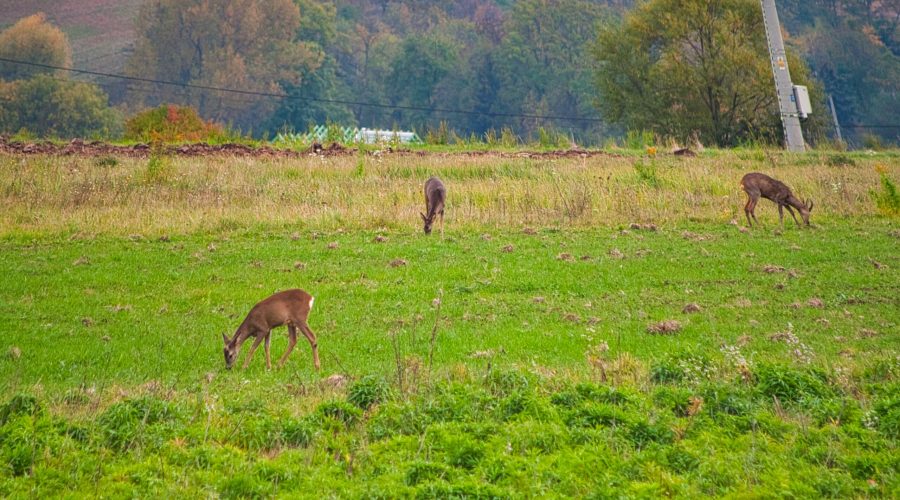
<point>504,433</point>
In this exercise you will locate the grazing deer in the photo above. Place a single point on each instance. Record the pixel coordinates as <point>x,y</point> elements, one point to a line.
<point>291,308</point>
<point>435,195</point>
<point>756,185</point>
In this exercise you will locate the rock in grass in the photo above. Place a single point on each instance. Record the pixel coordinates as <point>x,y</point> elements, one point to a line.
<point>398,262</point>
<point>667,327</point>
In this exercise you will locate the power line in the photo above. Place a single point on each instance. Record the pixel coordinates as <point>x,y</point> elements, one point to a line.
<point>310,99</point>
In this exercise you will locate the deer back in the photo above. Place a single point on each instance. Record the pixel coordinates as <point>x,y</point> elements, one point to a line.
<point>435,195</point>
<point>757,184</point>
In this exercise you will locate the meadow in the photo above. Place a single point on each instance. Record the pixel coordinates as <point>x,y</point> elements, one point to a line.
<point>598,326</point>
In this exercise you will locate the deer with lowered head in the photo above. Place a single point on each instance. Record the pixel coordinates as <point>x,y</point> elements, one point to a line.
<point>291,308</point>
<point>758,185</point>
<point>435,195</point>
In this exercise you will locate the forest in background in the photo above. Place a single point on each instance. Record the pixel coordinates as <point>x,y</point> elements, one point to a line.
<point>491,64</point>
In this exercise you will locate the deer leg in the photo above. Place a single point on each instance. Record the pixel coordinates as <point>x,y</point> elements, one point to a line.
<point>791,211</point>
<point>747,210</point>
<point>268,357</point>
<point>312,342</point>
<point>781,215</point>
<point>256,343</point>
<point>442,224</point>
<point>753,210</point>
<point>292,341</point>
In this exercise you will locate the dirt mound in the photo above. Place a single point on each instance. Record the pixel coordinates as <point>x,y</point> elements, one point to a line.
<point>97,148</point>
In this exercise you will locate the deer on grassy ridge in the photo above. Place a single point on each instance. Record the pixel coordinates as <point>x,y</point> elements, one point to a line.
<point>435,195</point>
<point>291,308</point>
<point>758,185</point>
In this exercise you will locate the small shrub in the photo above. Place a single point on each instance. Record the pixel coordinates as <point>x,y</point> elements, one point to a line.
<point>171,123</point>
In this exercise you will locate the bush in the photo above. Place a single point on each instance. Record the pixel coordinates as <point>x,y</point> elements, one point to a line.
<point>49,107</point>
<point>171,123</point>
<point>368,391</point>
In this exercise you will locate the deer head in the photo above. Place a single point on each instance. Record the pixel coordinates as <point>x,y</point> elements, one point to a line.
<point>231,351</point>
<point>805,210</point>
<point>428,222</point>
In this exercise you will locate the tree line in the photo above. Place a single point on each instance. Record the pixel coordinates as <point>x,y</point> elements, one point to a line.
<point>688,69</point>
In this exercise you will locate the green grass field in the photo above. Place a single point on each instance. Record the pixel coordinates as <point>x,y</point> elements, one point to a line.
<point>536,375</point>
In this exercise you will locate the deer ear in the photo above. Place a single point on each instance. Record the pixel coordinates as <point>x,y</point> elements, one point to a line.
<point>225,338</point>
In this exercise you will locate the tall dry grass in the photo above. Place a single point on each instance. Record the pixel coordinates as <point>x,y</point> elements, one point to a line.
<point>165,195</point>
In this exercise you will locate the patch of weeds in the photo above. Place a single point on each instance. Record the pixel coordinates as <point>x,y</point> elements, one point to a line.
<point>641,433</point>
<point>392,419</point>
<point>243,485</point>
<point>723,399</point>
<point>506,382</point>
<point>888,414</point>
<point>789,384</point>
<point>298,433</point>
<point>840,160</point>
<point>19,405</point>
<point>259,432</point>
<point>677,368</point>
<point>106,161</point>
<point>420,472</point>
<point>368,391</point>
<point>681,460</point>
<point>530,436</point>
<point>888,199</point>
<point>675,399</point>
<point>596,415</point>
<point>23,438</point>
<point>588,392</point>
<point>133,420</point>
<point>341,411</point>
<point>159,170</point>
<point>646,172</point>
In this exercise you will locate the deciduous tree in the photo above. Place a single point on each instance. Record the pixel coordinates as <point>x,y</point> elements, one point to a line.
<point>33,39</point>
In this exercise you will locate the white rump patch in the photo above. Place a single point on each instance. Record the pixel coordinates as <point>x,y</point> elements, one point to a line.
<point>311,300</point>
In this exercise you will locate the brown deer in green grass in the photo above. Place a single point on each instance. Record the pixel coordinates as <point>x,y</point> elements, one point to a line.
<point>758,185</point>
<point>291,308</point>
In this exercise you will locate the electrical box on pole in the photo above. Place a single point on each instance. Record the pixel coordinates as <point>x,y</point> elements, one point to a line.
<point>788,102</point>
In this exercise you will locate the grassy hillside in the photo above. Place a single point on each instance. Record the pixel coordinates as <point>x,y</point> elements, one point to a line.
<point>535,350</point>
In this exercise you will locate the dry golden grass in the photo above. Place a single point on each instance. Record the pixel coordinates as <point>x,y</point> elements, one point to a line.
<point>44,194</point>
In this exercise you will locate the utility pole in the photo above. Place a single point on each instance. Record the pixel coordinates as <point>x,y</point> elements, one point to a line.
<point>790,116</point>
<point>837,126</point>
